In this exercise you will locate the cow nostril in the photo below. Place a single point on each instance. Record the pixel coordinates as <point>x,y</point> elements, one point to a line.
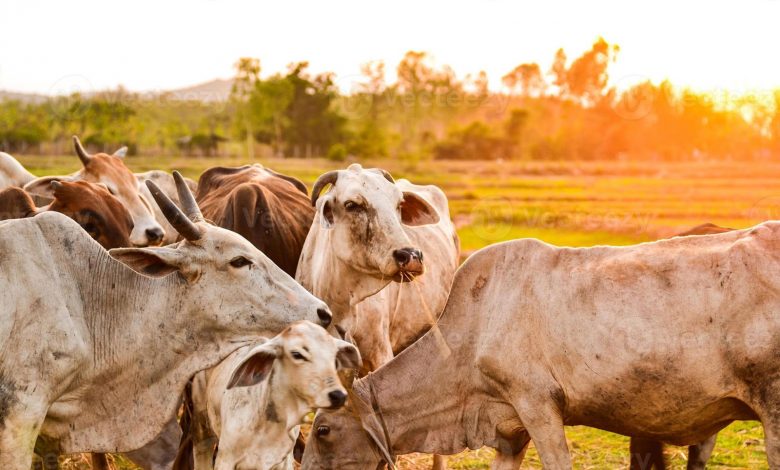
<point>337,398</point>
<point>403,256</point>
<point>324,316</point>
<point>154,234</point>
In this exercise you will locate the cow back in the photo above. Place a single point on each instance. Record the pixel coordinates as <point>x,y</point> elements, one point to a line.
<point>270,210</point>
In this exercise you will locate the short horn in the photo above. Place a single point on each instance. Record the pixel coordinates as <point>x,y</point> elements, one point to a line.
<point>386,174</point>
<point>328,178</point>
<point>81,152</point>
<point>175,216</point>
<point>188,202</point>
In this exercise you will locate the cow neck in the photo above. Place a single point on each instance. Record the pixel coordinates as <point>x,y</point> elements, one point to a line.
<point>418,396</point>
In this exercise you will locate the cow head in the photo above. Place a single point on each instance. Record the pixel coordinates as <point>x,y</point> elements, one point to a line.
<point>98,212</point>
<point>111,171</point>
<point>307,358</point>
<point>257,294</point>
<point>338,441</point>
<point>365,212</point>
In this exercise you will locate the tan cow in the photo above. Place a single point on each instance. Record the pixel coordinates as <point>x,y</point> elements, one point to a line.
<point>99,213</point>
<point>111,171</point>
<point>670,340</point>
<point>251,404</point>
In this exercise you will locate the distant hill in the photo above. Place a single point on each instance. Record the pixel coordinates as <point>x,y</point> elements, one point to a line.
<point>23,97</point>
<point>211,91</point>
<point>214,90</point>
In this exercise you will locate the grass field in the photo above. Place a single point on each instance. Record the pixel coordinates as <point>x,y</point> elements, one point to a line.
<point>563,203</point>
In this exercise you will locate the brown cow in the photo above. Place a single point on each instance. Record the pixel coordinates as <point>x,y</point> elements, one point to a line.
<point>111,171</point>
<point>102,215</point>
<point>270,210</point>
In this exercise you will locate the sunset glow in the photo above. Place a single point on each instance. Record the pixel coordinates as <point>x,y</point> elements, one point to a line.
<point>55,47</point>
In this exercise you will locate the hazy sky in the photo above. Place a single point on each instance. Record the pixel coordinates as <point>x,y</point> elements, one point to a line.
<point>62,46</point>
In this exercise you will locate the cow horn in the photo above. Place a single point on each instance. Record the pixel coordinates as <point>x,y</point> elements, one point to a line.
<point>83,155</point>
<point>386,174</point>
<point>328,178</point>
<point>175,216</point>
<point>188,202</point>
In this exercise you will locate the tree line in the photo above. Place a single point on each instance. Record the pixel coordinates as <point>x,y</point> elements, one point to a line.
<point>571,111</point>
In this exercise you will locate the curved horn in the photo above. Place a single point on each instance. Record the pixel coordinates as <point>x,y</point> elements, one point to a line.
<point>175,216</point>
<point>83,155</point>
<point>188,203</point>
<point>328,178</point>
<point>386,174</point>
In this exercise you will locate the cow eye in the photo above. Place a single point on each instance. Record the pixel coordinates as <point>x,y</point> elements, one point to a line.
<point>240,262</point>
<point>298,356</point>
<point>352,206</point>
<point>91,229</point>
<point>323,431</point>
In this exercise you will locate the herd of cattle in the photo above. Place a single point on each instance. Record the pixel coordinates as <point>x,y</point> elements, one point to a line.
<point>195,325</point>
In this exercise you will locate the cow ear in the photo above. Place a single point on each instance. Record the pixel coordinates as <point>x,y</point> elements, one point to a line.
<point>153,262</point>
<point>326,213</point>
<point>348,356</point>
<point>42,186</point>
<point>121,152</point>
<point>416,211</point>
<point>256,366</point>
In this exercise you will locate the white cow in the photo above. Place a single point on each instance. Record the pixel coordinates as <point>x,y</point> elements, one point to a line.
<point>12,173</point>
<point>251,404</point>
<point>95,355</point>
<point>369,231</point>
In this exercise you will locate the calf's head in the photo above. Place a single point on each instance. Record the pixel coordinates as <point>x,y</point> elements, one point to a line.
<point>307,358</point>
<point>235,286</point>
<point>111,171</point>
<point>365,212</point>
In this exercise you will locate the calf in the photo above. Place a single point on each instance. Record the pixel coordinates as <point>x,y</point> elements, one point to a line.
<point>99,213</point>
<point>252,403</point>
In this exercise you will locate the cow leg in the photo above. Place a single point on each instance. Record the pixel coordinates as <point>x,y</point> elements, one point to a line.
<point>439,462</point>
<point>544,423</point>
<point>203,454</point>
<point>99,462</point>
<point>646,454</point>
<point>699,454</point>
<point>19,428</point>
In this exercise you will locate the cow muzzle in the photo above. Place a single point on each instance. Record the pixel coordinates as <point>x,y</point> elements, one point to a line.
<point>409,262</point>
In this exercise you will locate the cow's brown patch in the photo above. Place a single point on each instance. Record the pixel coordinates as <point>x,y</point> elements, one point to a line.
<point>479,284</point>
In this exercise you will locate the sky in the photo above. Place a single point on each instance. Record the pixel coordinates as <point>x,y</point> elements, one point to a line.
<point>59,46</point>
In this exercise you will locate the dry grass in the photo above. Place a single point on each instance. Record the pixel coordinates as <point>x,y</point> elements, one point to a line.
<point>564,203</point>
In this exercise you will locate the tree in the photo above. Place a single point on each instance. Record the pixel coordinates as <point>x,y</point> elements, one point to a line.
<point>247,75</point>
<point>526,80</point>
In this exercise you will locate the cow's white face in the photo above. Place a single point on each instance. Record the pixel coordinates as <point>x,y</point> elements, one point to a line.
<point>366,212</point>
<point>237,289</point>
<point>308,359</point>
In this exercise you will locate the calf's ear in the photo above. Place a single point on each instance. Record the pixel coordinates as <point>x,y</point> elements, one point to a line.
<point>348,356</point>
<point>416,211</point>
<point>255,367</point>
<point>153,262</point>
